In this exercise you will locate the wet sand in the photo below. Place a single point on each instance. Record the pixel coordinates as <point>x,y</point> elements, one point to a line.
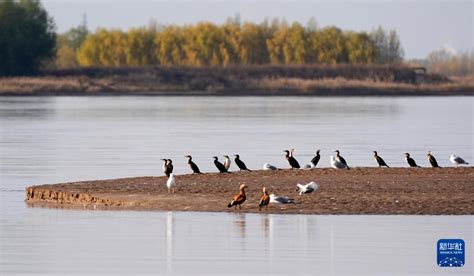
<point>433,191</point>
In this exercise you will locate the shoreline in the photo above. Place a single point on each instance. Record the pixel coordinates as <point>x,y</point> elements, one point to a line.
<point>288,93</point>
<point>258,80</point>
<point>359,191</point>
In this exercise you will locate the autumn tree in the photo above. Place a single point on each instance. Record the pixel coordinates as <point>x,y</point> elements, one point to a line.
<point>104,47</point>
<point>169,46</point>
<point>232,42</point>
<point>252,48</point>
<point>332,46</point>
<point>449,62</point>
<point>203,44</point>
<point>388,48</point>
<point>140,47</point>
<point>67,45</point>
<point>276,44</point>
<point>236,43</point>
<point>296,48</point>
<point>88,53</point>
<point>65,55</point>
<point>360,48</point>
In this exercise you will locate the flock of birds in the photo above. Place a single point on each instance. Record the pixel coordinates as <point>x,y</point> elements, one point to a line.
<point>266,198</point>
<point>337,162</point>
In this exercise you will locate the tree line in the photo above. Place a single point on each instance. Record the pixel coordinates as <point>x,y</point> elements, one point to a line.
<point>448,62</point>
<point>28,42</point>
<point>27,37</point>
<point>231,43</point>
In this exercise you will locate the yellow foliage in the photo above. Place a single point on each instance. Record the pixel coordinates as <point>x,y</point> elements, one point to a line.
<point>65,58</point>
<point>206,44</point>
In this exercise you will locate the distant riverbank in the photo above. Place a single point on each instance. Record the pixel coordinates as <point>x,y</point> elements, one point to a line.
<point>304,80</point>
<point>433,191</point>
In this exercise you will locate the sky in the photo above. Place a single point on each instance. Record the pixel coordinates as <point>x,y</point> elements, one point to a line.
<point>423,26</point>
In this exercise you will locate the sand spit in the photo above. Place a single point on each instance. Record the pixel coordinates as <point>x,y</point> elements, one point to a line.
<point>435,191</point>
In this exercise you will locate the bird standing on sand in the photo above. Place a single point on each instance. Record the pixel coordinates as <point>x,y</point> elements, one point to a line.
<point>219,165</point>
<point>312,164</point>
<point>410,160</point>
<point>456,160</point>
<point>432,160</point>
<point>171,183</point>
<point>291,160</point>
<point>240,163</point>
<point>315,159</point>
<point>167,166</point>
<point>336,164</point>
<point>264,200</point>
<point>280,199</point>
<point>238,199</point>
<point>192,165</point>
<point>307,188</point>
<point>226,162</point>
<point>379,160</point>
<point>269,167</point>
<point>341,159</point>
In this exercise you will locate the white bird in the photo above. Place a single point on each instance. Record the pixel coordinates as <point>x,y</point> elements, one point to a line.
<point>268,167</point>
<point>456,160</point>
<point>336,164</point>
<point>280,199</point>
<point>171,183</point>
<point>226,162</point>
<point>306,189</point>
<point>308,166</point>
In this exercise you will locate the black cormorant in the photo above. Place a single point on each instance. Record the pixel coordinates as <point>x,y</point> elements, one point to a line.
<point>315,159</point>
<point>410,160</point>
<point>219,165</point>
<point>240,163</point>
<point>167,167</point>
<point>432,160</point>
<point>192,165</point>
<point>341,159</point>
<point>291,160</point>
<point>379,160</point>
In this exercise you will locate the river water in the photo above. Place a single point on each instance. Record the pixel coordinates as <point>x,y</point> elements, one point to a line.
<point>58,139</point>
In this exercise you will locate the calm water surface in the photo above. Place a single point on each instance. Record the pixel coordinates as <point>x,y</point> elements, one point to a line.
<point>57,139</point>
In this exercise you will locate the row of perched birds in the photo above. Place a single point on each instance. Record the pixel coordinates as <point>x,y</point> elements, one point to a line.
<point>223,168</point>
<point>337,162</point>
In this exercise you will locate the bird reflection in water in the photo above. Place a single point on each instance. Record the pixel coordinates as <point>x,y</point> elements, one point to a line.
<point>239,224</point>
<point>265,225</point>
<point>169,241</point>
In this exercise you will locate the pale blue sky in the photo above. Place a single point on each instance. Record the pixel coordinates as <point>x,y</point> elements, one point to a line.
<point>423,26</point>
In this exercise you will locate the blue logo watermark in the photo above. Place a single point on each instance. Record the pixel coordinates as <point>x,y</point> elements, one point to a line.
<point>451,252</point>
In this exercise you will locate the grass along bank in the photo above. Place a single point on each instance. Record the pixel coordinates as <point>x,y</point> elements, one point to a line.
<point>240,80</point>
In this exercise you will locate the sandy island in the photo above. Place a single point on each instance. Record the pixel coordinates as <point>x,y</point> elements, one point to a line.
<point>357,191</point>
